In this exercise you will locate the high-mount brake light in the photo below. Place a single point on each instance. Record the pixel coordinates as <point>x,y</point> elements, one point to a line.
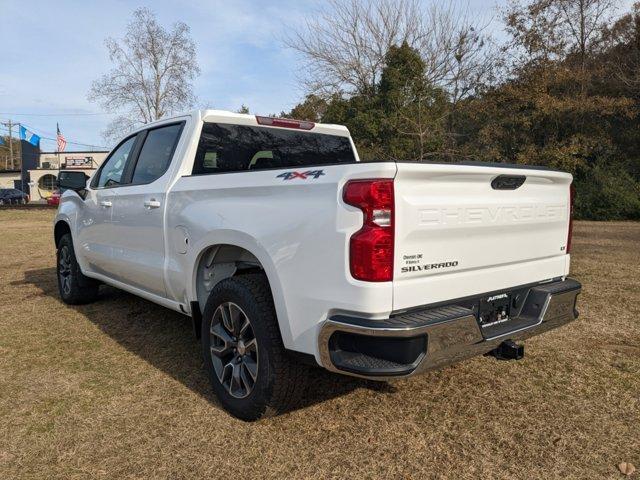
<point>371,247</point>
<point>285,123</point>
<point>572,198</point>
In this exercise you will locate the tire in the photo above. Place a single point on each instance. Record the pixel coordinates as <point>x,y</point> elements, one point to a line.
<point>74,287</point>
<point>279,380</point>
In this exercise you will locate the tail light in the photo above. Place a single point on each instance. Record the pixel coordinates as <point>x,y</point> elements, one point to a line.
<point>371,247</point>
<point>572,197</point>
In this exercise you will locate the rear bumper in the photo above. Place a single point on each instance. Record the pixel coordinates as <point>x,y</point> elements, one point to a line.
<point>416,341</point>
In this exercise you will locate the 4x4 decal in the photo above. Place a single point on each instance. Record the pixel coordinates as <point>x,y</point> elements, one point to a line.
<point>301,175</point>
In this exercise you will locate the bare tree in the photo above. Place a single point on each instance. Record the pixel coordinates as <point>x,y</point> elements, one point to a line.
<point>583,20</point>
<point>344,44</point>
<point>622,39</point>
<point>460,56</point>
<point>552,29</point>
<point>152,74</point>
<point>534,32</point>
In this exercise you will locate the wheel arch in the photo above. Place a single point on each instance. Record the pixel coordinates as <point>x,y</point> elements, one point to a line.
<point>218,262</point>
<point>60,229</point>
<point>230,257</point>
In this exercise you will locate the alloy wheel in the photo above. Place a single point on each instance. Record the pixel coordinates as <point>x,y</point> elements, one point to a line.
<point>234,350</point>
<point>64,269</point>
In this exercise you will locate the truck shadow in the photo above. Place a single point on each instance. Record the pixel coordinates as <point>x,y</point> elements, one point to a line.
<point>165,340</point>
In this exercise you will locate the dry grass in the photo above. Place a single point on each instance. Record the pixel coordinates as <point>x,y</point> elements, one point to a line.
<point>116,390</point>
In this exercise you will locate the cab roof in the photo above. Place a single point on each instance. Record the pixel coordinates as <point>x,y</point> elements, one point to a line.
<point>223,116</point>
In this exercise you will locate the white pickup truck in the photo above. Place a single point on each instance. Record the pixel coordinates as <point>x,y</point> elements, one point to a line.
<point>287,251</point>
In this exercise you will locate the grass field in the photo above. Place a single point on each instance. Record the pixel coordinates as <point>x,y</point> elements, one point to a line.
<point>116,389</point>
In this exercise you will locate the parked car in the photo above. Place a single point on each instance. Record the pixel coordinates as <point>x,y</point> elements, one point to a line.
<point>13,196</point>
<point>287,251</point>
<point>54,199</point>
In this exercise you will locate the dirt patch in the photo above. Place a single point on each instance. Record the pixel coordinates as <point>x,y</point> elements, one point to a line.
<point>116,390</point>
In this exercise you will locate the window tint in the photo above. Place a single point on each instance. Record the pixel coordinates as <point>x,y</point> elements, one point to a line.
<point>156,153</point>
<point>111,173</point>
<point>233,148</point>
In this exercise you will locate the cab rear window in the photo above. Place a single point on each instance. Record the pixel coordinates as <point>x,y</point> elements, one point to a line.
<point>235,148</point>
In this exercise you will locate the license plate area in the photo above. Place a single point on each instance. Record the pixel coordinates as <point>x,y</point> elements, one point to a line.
<point>497,314</point>
<point>494,310</point>
<point>501,313</point>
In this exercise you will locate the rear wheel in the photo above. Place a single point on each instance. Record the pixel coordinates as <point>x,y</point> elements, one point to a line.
<point>249,369</point>
<point>74,287</point>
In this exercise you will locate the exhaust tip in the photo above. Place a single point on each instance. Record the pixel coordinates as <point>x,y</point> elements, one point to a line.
<point>508,350</point>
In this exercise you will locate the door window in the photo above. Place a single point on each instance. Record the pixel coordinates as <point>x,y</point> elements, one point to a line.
<point>111,173</point>
<point>156,153</point>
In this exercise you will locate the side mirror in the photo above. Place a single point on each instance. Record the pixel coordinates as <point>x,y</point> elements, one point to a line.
<point>76,181</point>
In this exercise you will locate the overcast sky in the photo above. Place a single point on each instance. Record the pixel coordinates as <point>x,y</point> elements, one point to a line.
<point>52,50</point>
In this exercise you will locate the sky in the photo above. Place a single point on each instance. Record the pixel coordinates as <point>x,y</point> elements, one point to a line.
<point>53,50</point>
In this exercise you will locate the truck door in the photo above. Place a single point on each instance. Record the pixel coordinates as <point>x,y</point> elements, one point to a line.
<point>95,234</point>
<point>138,213</point>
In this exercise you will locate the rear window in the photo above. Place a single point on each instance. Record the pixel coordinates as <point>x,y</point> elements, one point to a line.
<point>235,148</point>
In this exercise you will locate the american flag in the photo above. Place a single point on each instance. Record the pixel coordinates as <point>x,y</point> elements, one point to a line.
<point>62,142</point>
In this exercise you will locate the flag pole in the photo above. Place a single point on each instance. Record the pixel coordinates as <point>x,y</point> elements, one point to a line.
<point>57,148</point>
<point>10,145</point>
<point>21,165</point>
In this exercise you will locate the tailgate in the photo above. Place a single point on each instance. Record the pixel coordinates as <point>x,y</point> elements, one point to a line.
<point>457,234</point>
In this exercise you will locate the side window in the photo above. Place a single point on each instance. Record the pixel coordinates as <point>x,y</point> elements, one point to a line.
<point>111,173</point>
<point>235,148</point>
<point>156,153</point>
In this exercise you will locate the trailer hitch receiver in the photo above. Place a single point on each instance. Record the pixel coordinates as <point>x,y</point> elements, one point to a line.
<point>508,350</point>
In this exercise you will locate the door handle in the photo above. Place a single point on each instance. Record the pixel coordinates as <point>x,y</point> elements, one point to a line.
<point>105,203</point>
<point>152,203</point>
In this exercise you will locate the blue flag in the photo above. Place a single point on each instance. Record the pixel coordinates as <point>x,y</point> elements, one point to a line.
<point>1,141</point>
<point>30,137</point>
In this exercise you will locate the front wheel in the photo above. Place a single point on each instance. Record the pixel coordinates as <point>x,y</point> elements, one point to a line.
<point>249,369</point>
<point>74,287</point>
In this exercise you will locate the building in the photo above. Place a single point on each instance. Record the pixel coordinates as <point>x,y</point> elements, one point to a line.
<point>8,178</point>
<point>38,175</point>
<point>43,179</point>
